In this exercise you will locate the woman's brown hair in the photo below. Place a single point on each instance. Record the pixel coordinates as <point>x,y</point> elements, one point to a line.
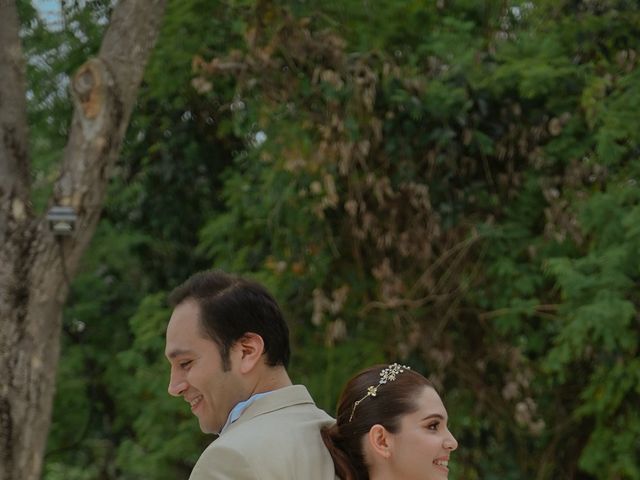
<point>392,400</point>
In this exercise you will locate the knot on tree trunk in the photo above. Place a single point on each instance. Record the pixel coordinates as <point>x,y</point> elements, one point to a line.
<point>92,88</point>
<point>88,86</point>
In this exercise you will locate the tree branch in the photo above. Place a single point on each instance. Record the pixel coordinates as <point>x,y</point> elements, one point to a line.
<point>104,91</point>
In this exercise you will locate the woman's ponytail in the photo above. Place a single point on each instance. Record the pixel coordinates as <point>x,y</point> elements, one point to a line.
<point>341,461</point>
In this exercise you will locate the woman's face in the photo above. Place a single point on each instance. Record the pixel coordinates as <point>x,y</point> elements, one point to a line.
<point>420,449</point>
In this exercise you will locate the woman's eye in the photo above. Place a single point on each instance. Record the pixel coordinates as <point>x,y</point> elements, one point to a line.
<point>433,426</point>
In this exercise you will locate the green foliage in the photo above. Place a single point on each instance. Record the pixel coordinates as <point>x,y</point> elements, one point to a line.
<point>600,299</point>
<point>450,184</point>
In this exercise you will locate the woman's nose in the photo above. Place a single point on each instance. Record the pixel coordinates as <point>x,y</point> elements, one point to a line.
<point>450,442</point>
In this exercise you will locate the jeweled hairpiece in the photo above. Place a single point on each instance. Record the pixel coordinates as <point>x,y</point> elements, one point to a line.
<point>388,374</point>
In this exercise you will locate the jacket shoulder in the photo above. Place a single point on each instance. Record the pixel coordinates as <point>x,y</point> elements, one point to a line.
<point>221,462</point>
<point>282,444</point>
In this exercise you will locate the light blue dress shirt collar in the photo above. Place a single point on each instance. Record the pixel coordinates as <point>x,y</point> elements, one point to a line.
<point>241,407</point>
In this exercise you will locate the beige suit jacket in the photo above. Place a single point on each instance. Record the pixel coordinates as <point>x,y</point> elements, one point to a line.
<point>276,438</point>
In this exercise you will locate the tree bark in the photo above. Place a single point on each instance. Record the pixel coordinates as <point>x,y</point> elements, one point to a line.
<point>36,267</point>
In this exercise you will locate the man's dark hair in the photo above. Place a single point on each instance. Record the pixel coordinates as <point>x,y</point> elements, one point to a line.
<point>230,307</point>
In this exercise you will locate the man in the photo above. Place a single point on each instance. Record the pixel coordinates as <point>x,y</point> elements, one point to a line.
<point>228,346</point>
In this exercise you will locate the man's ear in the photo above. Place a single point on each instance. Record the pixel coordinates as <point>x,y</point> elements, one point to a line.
<point>249,349</point>
<point>381,441</point>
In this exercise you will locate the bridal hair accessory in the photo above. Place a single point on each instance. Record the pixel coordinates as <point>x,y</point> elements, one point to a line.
<point>389,374</point>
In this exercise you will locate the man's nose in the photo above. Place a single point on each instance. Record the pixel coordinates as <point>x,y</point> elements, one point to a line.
<point>176,386</point>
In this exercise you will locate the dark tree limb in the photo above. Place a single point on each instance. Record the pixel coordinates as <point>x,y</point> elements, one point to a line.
<point>14,158</point>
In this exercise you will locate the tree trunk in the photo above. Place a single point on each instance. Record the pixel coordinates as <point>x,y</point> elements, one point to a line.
<point>35,266</point>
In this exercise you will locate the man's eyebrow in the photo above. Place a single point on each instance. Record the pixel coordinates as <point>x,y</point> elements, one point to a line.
<point>434,415</point>
<point>177,352</point>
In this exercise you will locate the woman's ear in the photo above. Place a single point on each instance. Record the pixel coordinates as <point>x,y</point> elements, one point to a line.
<point>249,349</point>
<point>381,441</point>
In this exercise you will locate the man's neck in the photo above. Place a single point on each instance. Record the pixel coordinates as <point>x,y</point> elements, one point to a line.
<point>271,378</point>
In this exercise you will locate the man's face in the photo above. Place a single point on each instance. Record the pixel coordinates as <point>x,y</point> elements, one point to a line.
<point>197,373</point>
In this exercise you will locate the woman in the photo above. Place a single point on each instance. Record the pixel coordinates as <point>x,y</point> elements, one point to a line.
<point>390,424</point>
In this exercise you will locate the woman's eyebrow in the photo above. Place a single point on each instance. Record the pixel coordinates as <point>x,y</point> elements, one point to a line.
<point>434,415</point>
